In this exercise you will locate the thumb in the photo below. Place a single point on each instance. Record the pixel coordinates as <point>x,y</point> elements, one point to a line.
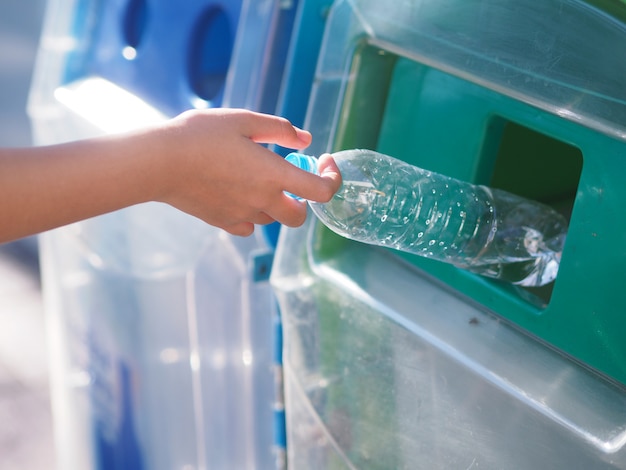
<point>313,187</point>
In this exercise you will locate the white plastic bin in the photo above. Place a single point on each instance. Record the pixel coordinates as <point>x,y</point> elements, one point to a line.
<point>161,327</point>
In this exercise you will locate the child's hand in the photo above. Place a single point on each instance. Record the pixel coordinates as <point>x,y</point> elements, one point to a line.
<point>209,164</point>
<point>214,168</point>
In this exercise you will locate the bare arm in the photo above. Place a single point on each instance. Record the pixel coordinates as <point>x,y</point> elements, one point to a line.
<point>206,163</point>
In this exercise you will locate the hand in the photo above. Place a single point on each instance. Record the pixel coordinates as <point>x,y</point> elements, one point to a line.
<point>215,169</point>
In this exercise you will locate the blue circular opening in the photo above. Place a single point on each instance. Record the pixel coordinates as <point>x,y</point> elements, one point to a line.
<point>210,53</point>
<point>134,22</point>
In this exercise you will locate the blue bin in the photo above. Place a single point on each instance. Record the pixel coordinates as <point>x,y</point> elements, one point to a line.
<point>173,56</point>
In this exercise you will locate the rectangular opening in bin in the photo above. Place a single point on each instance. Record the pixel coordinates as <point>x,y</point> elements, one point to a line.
<point>444,123</point>
<point>538,167</point>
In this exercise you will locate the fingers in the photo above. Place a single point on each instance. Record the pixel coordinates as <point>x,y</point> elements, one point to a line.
<point>289,211</point>
<point>268,129</point>
<point>329,171</point>
<point>262,219</point>
<point>292,217</point>
<point>313,187</point>
<point>286,210</point>
<point>242,229</point>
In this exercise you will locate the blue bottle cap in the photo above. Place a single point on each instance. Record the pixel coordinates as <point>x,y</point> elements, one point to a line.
<point>302,161</point>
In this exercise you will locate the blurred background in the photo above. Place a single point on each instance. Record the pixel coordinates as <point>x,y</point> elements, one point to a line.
<point>25,421</point>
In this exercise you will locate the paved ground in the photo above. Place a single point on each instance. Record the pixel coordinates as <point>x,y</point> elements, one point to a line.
<point>25,421</point>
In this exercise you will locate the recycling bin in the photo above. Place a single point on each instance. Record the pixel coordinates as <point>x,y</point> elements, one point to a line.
<point>302,56</point>
<point>160,326</point>
<point>395,361</point>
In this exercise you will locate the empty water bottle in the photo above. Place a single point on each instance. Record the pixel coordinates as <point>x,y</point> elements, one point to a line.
<point>387,202</point>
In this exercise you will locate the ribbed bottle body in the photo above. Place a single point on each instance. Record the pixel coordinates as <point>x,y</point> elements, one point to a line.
<point>387,202</point>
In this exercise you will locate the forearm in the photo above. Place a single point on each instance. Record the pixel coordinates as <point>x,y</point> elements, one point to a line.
<point>47,187</point>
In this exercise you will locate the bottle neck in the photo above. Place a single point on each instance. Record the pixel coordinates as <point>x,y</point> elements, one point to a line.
<point>302,161</point>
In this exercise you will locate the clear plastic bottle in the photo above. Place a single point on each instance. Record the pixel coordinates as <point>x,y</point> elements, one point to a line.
<point>387,202</point>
